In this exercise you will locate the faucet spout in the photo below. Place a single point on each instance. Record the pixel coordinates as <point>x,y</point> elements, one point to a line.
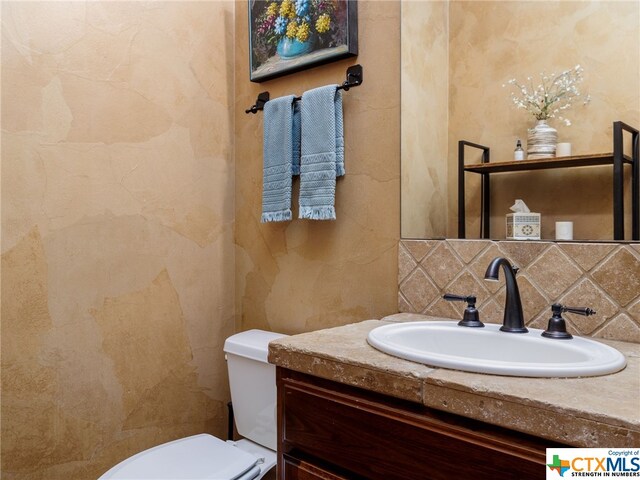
<point>513,317</point>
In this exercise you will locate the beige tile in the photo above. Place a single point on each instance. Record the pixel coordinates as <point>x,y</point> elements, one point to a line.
<point>441,265</point>
<point>468,249</point>
<point>533,301</point>
<point>536,299</point>
<point>542,321</point>
<point>634,311</point>
<point>467,284</point>
<point>587,294</point>
<point>491,312</point>
<point>419,290</point>
<point>419,248</point>
<point>619,276</point>
<point>587,255</point>
<point>622,328</point>
<point>403,304</point>
<point>444,309</point>
<point>523,253</point>
<point>406,263</point>
<point>553,272</point>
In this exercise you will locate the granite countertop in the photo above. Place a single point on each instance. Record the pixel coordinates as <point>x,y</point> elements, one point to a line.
<point>589,412</point>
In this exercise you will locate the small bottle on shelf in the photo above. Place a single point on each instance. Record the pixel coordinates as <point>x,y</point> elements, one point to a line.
<point>518,153</point>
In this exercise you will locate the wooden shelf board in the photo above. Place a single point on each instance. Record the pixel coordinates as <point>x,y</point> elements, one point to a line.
<point>545,163</point>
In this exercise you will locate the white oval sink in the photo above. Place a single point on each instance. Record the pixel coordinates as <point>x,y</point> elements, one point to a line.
<point>488,350</point>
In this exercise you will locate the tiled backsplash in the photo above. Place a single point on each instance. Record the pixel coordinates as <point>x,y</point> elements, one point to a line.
<point>602,276</point>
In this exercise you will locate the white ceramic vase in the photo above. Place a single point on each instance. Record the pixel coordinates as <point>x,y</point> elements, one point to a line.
<point>541,141</point>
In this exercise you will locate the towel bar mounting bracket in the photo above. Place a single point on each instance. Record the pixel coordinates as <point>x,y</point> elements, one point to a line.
<point>263,97</point>
<point>355,76</point>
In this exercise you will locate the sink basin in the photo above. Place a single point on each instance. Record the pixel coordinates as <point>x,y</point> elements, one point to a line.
<point>488,350</point>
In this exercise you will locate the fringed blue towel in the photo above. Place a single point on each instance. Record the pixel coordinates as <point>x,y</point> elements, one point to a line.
<point>296,138</point>
<point>322,157</point>
<point>281,157</point>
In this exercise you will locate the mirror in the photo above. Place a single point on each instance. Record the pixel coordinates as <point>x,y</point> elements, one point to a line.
<point>456,57</point>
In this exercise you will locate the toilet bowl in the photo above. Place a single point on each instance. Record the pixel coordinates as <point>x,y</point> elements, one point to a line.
<point>205,457</point>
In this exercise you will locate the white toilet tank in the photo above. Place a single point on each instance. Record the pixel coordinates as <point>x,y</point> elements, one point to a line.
<point>253,385</point>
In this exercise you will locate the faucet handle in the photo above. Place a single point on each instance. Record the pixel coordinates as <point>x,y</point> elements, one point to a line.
<point>586,311</point>
<point>470,299</point>
<point>557,327</point>
<point>471,317</point>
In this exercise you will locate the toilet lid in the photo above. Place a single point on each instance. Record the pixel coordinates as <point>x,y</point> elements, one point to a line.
<point>197,457</point>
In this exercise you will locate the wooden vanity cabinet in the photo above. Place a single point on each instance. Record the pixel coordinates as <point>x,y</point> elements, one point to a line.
<point>331,431</point>
<point>296,469</point>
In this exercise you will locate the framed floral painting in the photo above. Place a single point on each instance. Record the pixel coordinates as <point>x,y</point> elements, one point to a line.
<point>287,36</point>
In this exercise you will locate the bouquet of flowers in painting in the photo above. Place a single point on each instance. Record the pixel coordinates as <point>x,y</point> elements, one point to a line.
<point>294,33</point>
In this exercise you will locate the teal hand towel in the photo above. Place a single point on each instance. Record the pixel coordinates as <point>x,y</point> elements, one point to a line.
<point>322,151</point>
<point>281,157</point>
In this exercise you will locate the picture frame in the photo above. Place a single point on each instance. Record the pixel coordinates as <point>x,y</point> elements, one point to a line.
<point>286,36</point>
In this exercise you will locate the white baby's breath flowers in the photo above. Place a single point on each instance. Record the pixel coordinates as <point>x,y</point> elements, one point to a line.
<point>551,97</point>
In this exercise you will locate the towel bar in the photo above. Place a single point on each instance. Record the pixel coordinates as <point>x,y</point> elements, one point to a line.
<point>354,79</point>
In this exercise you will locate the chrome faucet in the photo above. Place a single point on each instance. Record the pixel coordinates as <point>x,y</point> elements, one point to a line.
<point>513,317</point>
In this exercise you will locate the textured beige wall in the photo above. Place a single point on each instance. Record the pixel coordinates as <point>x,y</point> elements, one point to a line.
<point>303,275</point>
<point>117,230</point>
<point>493,41</point>
<point>425,122</point>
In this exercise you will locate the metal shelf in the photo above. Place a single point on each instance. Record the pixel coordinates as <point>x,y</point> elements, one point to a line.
<point>616,159</point>
<point>545,163</point>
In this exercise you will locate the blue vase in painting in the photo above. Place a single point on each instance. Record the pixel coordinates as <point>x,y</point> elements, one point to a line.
<point>291,48</point>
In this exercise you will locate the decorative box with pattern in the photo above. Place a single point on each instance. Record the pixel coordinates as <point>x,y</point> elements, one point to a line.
<point>523,226</point>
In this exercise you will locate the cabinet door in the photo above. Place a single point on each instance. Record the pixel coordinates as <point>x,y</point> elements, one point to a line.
<point>379,438</point>
<point>295,469</point>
